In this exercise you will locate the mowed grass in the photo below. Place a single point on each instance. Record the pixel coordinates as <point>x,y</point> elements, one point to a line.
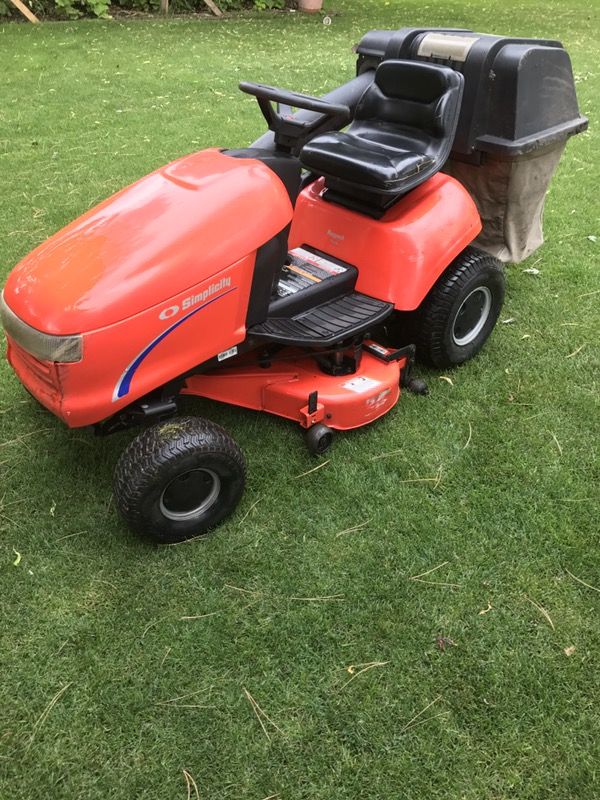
<point>123,666</point>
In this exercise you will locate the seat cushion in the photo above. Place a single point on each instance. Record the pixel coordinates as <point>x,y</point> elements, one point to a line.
<point>357,159</point>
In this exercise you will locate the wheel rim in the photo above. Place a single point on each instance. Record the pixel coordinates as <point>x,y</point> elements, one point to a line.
<point>324,443</point>
<point>472,316</point>
<point>190,494</point>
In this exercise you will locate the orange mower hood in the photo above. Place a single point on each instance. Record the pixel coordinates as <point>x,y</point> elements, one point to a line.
<point>167,232</point>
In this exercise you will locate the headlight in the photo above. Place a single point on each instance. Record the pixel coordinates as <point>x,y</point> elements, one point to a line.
<point>45,346</point>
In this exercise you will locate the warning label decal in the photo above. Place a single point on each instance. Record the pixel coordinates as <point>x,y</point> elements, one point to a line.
<point>361,384</point>
<point>305,269</point>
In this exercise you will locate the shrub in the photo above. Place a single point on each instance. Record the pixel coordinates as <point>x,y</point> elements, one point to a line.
<point>72,9</point>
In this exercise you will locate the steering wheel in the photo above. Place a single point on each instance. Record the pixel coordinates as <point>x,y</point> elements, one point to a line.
<point>292,132</point>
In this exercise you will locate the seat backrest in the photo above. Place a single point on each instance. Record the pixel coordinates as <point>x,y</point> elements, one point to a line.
<point>413,94</point>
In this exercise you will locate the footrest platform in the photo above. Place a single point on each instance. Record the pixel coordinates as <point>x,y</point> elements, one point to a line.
<point>325,325</point>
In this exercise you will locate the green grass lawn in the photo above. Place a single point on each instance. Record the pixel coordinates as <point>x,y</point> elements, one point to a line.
<point>124,666</point>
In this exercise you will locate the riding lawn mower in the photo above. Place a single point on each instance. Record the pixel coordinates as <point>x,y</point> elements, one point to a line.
<point>302,275</point>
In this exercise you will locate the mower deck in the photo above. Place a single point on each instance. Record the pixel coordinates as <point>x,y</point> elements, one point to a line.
<point>292,385</point>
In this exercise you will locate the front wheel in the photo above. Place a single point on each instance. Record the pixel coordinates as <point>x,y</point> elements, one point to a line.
<point>460,312</point>
<point>179,479</point>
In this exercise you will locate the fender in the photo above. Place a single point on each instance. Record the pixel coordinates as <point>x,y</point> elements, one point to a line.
<point>400,256</point>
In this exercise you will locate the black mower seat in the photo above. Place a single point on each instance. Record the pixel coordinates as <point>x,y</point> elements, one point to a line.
<point>365,161</point>
<point>402,134</point>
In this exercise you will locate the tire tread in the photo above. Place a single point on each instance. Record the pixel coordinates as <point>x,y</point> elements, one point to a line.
<point>429,322</point>
<point>148,453</point>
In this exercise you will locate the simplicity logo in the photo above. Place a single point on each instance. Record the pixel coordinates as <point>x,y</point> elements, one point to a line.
<point>195,299</point>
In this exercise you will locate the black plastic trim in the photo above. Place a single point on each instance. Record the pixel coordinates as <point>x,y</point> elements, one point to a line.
<point>519,92</point>
<point>270,258</point>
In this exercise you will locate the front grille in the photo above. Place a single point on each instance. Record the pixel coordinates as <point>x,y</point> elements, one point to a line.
<point>42,371</point>
<point>39,377</point>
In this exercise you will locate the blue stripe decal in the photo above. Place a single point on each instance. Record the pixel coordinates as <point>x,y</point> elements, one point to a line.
<point>122,387</point>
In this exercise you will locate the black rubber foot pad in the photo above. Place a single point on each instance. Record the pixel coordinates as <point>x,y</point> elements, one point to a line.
<point>332,322</point>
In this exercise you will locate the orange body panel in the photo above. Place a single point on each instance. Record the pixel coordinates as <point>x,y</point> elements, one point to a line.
<point>400,256</point>
<point>156,278</point>
<point>155,239</point>
<point>344,402</point>
<point>125,361</point>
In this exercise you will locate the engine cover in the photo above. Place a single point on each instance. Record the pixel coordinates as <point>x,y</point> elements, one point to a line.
<point>169,232</point>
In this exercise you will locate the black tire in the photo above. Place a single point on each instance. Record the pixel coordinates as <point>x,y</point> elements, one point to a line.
<point>417,386</point>
<point>318,439</point>
<point>473,285</point>
<point>179,479</point>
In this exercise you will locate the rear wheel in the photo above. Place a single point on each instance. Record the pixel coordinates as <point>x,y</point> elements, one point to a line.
<point>459,313</point>
<point>179,479</point>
